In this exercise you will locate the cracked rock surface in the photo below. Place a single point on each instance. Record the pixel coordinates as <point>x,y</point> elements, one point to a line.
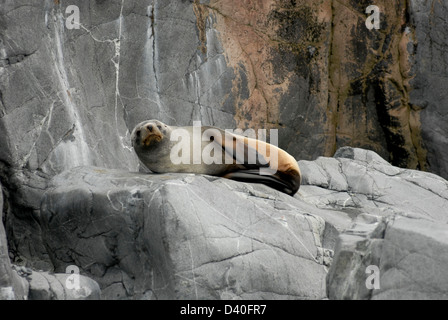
<point>47,286</point>
<point>186,236</point>
<point>182,236</point>
<point>394,219</point>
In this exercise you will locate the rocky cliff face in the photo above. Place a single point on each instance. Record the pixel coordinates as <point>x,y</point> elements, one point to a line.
<point>69,97</point>
<point>315,70</point>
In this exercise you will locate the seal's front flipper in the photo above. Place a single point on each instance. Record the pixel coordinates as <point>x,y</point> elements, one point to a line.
<point>256,161</point>
<point>240,150</point>
<point>279,181</point>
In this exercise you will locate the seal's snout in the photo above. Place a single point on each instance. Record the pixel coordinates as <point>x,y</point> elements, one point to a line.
<point>150,134</point>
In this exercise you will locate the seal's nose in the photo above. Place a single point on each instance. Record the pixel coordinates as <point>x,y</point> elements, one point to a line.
<point>150,128</point>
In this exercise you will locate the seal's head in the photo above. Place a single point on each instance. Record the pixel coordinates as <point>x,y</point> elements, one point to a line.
<point>148,134</point>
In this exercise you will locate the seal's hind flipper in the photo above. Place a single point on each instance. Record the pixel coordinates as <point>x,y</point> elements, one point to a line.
<point>279,181</point>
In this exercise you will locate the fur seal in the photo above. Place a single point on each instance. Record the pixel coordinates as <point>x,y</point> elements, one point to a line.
<point>239,158</point>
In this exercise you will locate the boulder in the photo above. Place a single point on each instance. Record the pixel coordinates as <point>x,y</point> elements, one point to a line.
<point>46,286</point>
<point>6,289</point>
<point>22,283</point>
<point>409,256</point>
<point>186,236</point>
<point>358,181</point>
<point>12,287</point>
<point>390,218</point>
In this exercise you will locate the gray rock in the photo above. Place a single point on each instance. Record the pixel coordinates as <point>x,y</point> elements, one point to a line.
<point>39,287</point>
<point>62,91</point>
<point>173,236</point>
<point>398,224</point>
<point>409,254</point>
<point>365,183</point>
<point>356,250</point>
<point>12,286</point>
<point>413,260</point>
<point>46,286</point>
<point>430,66</point>
<point>6,288</point>
<point>21,283</point>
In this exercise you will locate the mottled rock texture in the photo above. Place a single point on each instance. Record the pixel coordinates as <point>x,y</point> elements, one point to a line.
<point>313,69</point>
<point>185,236</point>
<point>181,236</point>
<point>46,286</point>
<point>6,289</point>
<point>69,97</point>
<point>410,254</point>
<point>391,218</point>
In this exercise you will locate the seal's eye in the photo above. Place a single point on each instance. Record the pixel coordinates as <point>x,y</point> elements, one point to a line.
<point>159,127</point>
<point>138,133</point>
